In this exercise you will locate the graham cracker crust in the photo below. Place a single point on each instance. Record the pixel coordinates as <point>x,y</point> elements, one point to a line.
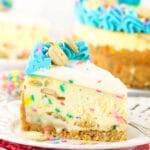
<point>132,67</point>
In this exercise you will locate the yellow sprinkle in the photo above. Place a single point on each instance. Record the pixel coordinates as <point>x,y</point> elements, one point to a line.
<point>33,77</point>
<point>46,40</point>
<point>85,142</point>
<point>14,73</point>
<point>27,101</point>
<point>56,44</point>
<point>142,19</point>
<point>52,66</point>
<point>112,50</point>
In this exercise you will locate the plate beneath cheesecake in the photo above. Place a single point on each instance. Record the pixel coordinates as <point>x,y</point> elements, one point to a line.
<point>138,112</point>
<point>138,93</point>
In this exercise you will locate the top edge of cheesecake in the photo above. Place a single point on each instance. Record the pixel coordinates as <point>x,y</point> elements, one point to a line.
<point>79,68</point>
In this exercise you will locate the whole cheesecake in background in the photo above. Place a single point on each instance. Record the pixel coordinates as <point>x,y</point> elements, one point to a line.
<point>18,34</point>
<point>119,37</point>
<point>67,96</point>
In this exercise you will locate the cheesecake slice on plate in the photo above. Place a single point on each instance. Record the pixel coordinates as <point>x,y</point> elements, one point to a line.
<point>65,95</point>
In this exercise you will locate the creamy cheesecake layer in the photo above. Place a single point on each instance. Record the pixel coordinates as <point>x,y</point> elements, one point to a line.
<point>93,4</point>
<point>65,105</point>
<point>86,74</point>
<point>118,40</point>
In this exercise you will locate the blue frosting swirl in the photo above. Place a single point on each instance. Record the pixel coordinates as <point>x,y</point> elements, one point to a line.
<point>113,18</point>
<point>130,2</point>
<point>81,55</point>
<point>132,24</point>
<point>39,58</point>
<point>93,18</point>
<point>147,28</point>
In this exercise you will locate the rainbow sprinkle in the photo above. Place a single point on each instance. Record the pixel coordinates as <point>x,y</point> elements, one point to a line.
<point>11,82</point>
<point>70,116</point>
<point>99,91</point>
<point>57,110</point>
<point>71,81</point>
<point>92,109</point>
<point>49,101</point>
<point>32,98</point>
<point>62,87</point>
<point>62,103</point>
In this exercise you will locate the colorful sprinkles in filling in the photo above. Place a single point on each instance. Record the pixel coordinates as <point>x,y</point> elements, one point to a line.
<point>62,88</point>
<point>32,98</point>
<point>70,81</point>
<point>70,116</point>
<point>57,110</point>
<point>49,103</point>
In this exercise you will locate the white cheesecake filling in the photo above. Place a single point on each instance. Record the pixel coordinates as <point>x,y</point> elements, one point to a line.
<point>118,40</point>
<point>88,75</point>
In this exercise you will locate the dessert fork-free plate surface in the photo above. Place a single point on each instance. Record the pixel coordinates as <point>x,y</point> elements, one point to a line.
<point>10,128</point>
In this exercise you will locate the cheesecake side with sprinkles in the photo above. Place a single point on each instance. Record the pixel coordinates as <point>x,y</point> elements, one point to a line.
<point>65,95</point>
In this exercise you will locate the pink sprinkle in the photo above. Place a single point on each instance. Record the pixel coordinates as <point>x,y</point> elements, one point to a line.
<point>78,117</point>
<point>121,16</point>
<point>51,139</point>
<point>92,109</point>
<point>25,86</point>
<point>77,3</point>
<point>46,129</point>
<point>34,110</point>
<point>51,43</point>
<point>120,96</point>
<point>112,7</point>
<point>145,22</point>
<point>62,103</point>
<point>63,140</point>
<point>119,118</point>
<point>99,91</point>
<point>37,53</point>
<point>90,60</point>
<point>79,63</point>
<point>40,48</point>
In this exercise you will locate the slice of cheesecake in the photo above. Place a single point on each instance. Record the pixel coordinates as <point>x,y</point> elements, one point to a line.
<point>65,95</point>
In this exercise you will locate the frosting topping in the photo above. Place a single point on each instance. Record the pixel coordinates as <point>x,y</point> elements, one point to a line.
<point>113,18</point>
<point>40,59</point>
<point>78,68</point>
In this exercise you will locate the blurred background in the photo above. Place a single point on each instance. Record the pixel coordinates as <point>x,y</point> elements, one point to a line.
<point>58,12</point>
<point>22,24</point>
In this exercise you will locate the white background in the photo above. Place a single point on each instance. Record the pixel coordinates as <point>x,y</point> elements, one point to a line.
<point>60,13</point>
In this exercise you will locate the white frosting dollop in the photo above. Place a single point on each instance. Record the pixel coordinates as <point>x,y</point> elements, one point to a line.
<point>86,74</point>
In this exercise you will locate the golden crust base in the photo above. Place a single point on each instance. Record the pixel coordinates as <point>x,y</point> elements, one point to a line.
<point>133,68</point>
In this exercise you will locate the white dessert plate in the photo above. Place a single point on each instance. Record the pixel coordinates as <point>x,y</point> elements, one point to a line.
<point>139,112</point>
<point>138,93</point>
<point>8,64</point>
